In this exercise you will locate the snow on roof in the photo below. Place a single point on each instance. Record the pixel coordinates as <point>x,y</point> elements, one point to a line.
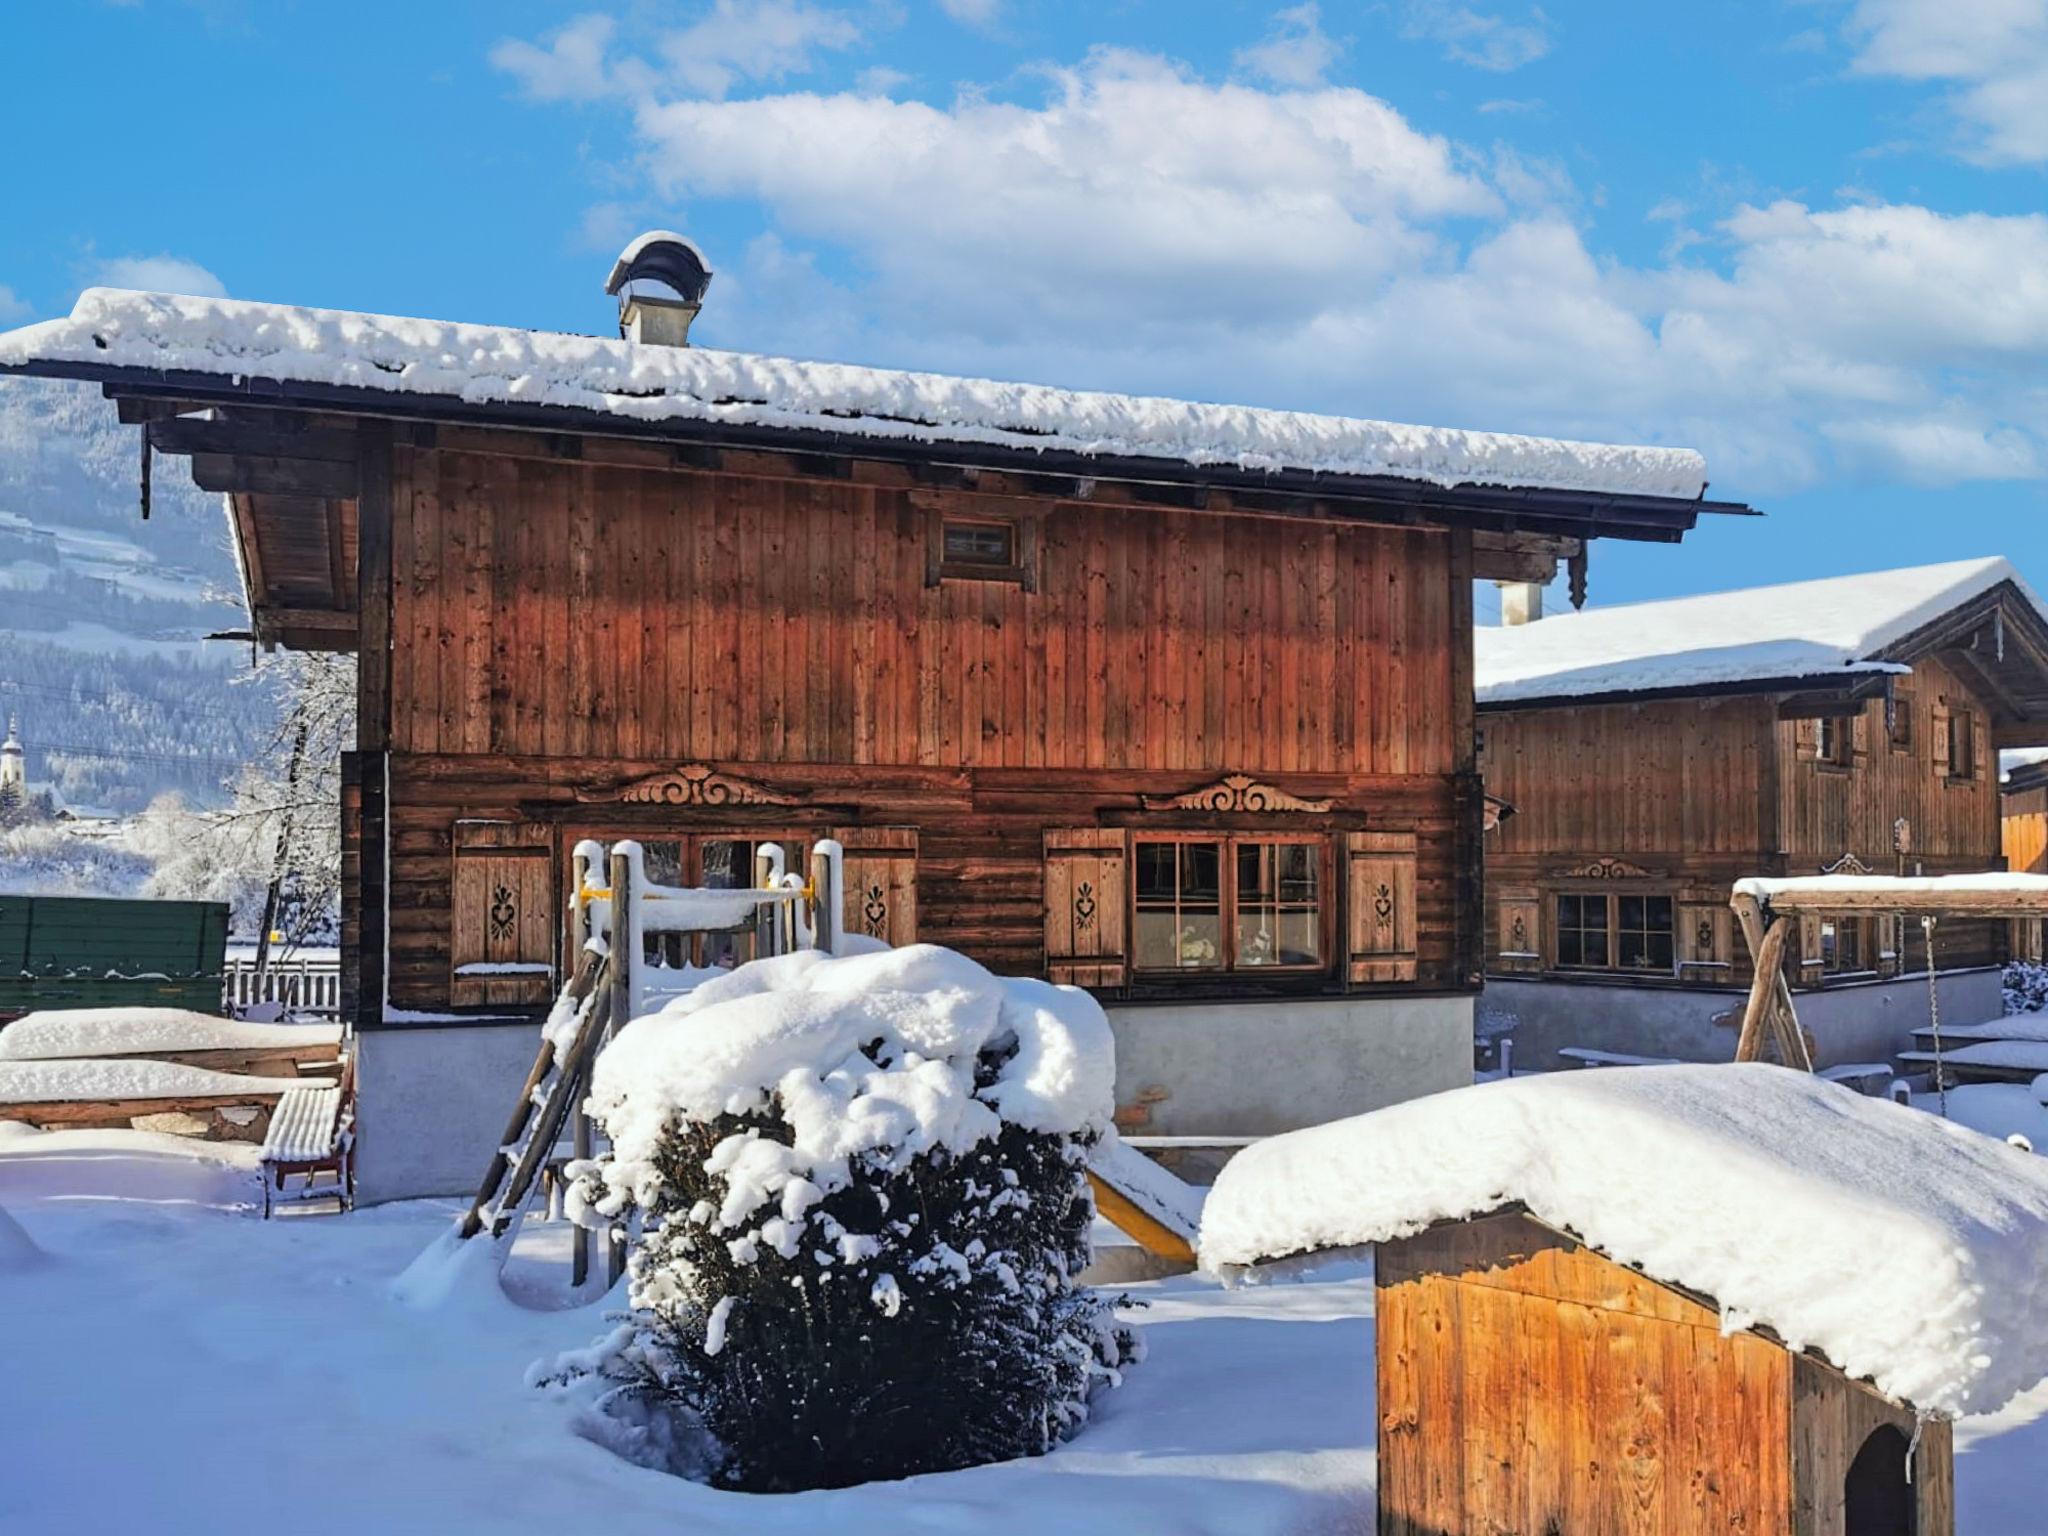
<point>1830,629</point>
<point>1908,1250</point>
<point>482,364</point>
<point>53,1033</point>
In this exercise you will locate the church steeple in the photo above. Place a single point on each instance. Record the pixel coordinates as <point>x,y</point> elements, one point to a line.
<point>13,761</point>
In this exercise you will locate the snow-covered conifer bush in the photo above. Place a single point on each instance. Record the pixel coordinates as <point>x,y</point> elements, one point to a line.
<point>864,1205</point>
<point>2026,987</point>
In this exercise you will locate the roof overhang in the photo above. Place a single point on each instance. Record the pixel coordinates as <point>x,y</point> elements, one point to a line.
<point>1799,697</point>
<point>1998,641</point>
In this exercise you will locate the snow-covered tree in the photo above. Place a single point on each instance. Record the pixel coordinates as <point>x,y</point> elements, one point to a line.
<point>2026,987</point>
<point>864,1209</point>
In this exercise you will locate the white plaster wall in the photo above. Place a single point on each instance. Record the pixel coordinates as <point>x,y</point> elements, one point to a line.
<point>1864,1021</point>
<point>1255,1068</point>
<point>431,1104</point>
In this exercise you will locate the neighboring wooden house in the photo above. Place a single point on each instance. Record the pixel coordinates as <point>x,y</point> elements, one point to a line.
<point>1167,700</point>
<point>1658,752</point>
<point>2024,807</point>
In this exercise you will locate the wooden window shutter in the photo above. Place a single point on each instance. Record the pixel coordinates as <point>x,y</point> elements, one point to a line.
<point>1937,735</point>
<point>880,880</point>
<point>1859,735</point>
<point>1521,932</point>
<point>1888,936</point>
<point>1812,964</point>
<point>503,928</point>
<point>1380,897</point>
<point>1806,733</point>
<point>1085,901</point>
<point>1705,938</point>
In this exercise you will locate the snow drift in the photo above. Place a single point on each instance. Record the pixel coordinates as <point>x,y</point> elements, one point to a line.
<point>1908,1250</point>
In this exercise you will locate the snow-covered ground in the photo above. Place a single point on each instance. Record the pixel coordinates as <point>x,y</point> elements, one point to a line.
<point>193,1369</point>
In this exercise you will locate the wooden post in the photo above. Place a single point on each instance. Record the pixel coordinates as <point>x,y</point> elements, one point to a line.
<point>1768,955</point>
<point>828,894</point>
<point>579,1150</point>
<point>624,940</point>
<point>771,936</point>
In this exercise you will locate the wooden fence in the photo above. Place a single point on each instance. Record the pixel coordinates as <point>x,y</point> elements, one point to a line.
<point>300,984</point>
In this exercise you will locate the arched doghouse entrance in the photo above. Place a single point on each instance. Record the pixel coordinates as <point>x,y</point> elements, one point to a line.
<point>1878,1497</point>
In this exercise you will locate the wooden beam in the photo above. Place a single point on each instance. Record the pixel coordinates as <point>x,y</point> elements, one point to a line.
<point>1951,903</point>
<point>133,413</point>
<point>326,479</point>
<point>1767,952</point>
<point>242,439</point>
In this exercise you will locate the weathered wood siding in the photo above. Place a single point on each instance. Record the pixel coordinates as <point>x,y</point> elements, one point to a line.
<point>562,629</point>
<point>565,610</point>
<point>2026,831</point>
<point>1527,1384</point>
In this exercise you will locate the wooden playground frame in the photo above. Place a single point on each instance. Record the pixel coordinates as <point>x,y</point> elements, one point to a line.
<point>1768,911</point>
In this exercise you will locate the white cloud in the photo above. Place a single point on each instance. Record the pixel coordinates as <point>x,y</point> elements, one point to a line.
<point>1993,52</point>
<point>728,44</point>
<point>159,273</point>
<point>1296,52</point>
<point>1140,227</point>
<point>973,13</point>
<point>1475,37</point>
<point>12,305</point>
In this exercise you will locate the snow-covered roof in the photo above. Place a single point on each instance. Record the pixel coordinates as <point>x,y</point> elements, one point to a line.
<point>1906,1249</point>
<point>52,1033</point>
<point>482,364</point>
<point>1832,629</point>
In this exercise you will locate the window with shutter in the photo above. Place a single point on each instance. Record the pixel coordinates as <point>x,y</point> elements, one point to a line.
<point>1085,892</point>
<point>880,880</point>
<point>502,917</point>
<point>1380,901</point>
<point>1812,955</point>
<point>1521,937</point>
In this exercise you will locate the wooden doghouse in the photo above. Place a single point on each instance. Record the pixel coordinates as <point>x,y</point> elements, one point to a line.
<point>1529,1384</point>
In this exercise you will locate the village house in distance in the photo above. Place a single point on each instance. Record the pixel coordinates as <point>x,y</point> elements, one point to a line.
<point>1657,752</point>
<point>1172,701</point>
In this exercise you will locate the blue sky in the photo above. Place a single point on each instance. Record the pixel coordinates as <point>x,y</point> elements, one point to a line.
<point>1802,236</point>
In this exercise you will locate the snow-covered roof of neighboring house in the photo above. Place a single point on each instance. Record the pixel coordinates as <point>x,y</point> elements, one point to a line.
<point>1905,1248</point>
<point>482,364</point>
<point>1805,631</point>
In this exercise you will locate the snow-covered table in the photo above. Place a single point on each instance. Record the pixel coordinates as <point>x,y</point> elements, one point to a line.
<point>115,1092</point>
<point>175,1035</point>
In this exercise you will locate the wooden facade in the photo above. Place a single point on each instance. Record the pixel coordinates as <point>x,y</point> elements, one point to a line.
<point>1161,728</point>
<point>2024,808</point>
<point>1528,1383</point>
<point>1634,818</point>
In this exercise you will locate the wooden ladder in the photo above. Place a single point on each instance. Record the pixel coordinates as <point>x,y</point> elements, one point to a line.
<point>554,1089</point>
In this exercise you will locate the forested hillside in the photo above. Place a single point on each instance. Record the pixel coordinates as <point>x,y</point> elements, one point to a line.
<point>102,614</point>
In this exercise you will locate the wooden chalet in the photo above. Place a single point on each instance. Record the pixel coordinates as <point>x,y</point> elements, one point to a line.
<point>2023,804</point>
<point>1167,700</point>
<point>1658,752</point>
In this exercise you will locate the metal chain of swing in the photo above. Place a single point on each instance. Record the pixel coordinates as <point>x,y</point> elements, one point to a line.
<point>1934,1017</point>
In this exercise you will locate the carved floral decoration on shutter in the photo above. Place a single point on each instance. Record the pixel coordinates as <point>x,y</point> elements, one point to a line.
<point>874,911</point>
<point>504,915</point>
<point>1518,933</point>
<point>1084,906</point>
<point>1236,792</point>
<point>1703,936</point>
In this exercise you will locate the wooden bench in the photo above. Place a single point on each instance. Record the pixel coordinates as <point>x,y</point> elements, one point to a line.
<point>312,1132</point>
<point>1586,1056</point>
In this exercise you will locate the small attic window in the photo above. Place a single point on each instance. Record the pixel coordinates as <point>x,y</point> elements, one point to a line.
<point>967,548</point>
<point>979,544</point>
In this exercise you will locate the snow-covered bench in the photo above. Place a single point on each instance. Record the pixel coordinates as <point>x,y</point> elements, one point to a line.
<point>1998,1061</point>
<point>1586,1056</point>
<point>312,1132</point>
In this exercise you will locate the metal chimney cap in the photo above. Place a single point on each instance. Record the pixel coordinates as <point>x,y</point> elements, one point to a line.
<point>665,257</point>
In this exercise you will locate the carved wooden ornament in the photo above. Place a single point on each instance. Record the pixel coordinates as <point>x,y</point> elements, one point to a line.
<point>1847,864</point>
<point>1608,869</point>
<point>689,784</point>
<point>1236,792</point>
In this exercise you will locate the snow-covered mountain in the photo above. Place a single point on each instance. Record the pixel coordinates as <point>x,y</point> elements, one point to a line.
<point>102,614</point>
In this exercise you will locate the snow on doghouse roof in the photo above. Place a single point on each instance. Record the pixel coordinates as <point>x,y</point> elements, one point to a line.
<point>1906,1249</point>
<point>483,364</point>
<point>1807,630</point>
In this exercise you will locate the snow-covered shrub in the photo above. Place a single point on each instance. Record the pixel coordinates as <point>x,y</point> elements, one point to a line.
<point>2026,987</point>
<point>864,1209</point>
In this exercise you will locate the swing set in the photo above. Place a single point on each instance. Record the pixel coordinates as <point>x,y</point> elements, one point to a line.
<point>1769,911</point>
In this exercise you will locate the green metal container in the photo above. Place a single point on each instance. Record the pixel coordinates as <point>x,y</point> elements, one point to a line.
<point>89,952</point>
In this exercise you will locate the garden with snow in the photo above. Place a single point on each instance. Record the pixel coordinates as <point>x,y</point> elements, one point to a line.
<point>855,1299</point>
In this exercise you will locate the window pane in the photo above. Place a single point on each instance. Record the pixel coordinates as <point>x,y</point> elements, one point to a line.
<point>1569,951</point>
<point>980,544</point>
<point>1180,910</point>
<point>1279,918</point>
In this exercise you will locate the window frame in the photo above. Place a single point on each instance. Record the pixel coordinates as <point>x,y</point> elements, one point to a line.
<point>1229,966</point>
<point>1861,936</point>
<point>1962,727</point>
<point>1021,529</point>
<point>1901,731</point>
<point>1835,743</point>
<point>1613,899</point>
